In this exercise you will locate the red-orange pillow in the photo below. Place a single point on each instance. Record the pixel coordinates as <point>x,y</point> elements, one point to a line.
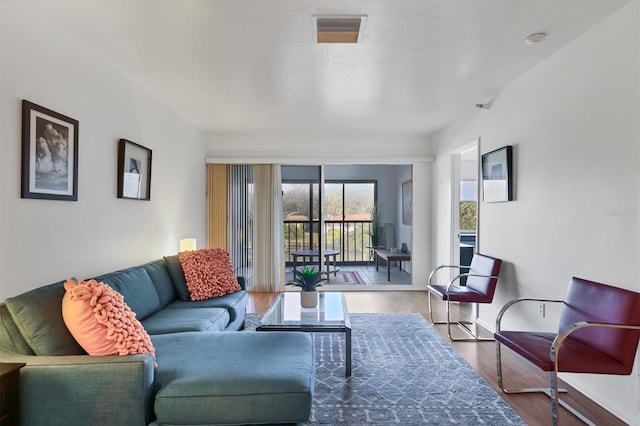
<point>208,272</point>
<point>101,322</point>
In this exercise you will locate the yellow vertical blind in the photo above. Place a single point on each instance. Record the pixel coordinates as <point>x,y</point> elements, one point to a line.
<point>217,228</point>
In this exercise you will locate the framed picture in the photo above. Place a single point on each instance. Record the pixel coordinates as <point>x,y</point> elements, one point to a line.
<point>134,171</point>
<point>497,175</point>
<point>406,202</point>
<point>49,154</point>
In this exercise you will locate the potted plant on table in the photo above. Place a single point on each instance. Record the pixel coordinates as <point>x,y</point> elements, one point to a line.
<point>308,279</point>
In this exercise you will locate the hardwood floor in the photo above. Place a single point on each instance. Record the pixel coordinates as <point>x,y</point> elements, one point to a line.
<point>535,409</point>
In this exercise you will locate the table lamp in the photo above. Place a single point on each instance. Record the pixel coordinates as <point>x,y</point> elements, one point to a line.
<point>187,244</point>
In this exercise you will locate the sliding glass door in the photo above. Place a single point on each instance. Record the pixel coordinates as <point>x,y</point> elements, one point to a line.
<point>335,215</point>
<point>348,221</point>
<point>301,211</point>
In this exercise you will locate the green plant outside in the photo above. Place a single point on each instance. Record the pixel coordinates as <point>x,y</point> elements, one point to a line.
<point>468,213</point>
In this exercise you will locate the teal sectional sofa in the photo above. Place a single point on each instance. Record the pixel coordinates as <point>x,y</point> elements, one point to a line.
<point>207,372</point>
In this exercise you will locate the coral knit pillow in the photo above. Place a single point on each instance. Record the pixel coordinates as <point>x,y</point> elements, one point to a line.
<point>101,322</point>
<point>208,272</point>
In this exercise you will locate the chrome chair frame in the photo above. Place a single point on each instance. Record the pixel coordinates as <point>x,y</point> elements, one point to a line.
<point>463,325</point>
<point>554,356</point>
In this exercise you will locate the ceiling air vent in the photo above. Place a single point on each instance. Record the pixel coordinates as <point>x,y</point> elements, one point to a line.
<point>338,29</point>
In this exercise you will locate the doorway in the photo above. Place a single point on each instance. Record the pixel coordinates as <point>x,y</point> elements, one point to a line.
<point>464,208</point>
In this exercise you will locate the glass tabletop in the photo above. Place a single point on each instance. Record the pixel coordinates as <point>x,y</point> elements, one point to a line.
<point>287,313</point>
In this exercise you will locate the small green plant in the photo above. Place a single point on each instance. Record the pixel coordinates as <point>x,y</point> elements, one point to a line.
<point>307,278</point>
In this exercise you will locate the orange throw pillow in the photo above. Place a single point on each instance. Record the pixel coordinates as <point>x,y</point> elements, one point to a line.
<point>208,272</point>
<point>101,322</point>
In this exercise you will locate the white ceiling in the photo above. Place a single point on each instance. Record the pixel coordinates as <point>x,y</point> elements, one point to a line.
<point>252,65</point>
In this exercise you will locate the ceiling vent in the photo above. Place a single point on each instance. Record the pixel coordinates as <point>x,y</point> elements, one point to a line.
<point>338,29</point>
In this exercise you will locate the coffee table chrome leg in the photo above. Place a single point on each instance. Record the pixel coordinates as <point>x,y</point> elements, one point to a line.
<point>347,339</point>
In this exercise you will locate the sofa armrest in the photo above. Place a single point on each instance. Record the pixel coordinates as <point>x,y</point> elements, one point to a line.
<point>83,389</point>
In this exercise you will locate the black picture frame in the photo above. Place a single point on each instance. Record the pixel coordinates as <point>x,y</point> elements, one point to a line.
<point>134,171</point>
<point>49,154</point>
<point>497,175</point>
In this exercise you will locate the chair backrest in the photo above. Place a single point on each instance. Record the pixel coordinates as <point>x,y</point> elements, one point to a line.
<point>389,236</point>
<point>489,267</point>
<point>595,302</point>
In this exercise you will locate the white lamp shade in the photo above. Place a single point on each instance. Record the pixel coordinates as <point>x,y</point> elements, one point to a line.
<point>187,244</point>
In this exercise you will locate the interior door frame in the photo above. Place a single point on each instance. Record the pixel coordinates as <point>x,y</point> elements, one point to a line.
<point>455,200</point>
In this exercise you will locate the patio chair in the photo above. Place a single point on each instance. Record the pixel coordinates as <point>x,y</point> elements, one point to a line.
<point>598,333</point>
<point>479,288</point>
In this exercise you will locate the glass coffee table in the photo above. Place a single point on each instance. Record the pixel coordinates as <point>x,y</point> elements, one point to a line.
<point>331,316</point>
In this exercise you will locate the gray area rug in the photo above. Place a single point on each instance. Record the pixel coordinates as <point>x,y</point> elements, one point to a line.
<point>404,373</point>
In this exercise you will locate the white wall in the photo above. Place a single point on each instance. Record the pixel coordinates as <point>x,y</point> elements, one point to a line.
<point>43,241</point>
<point>315,149</point>
<point>375,149</point>
<point>573,122</point>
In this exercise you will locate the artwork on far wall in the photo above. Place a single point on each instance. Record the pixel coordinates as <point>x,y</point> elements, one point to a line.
<point>49,154</point>
<point>406,202</point>
<point>134,171</point>
<point>497,175</point>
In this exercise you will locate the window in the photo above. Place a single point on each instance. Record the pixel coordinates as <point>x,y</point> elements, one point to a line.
<point>468,204</point>
<point>349,201</point>
<point>347,217</point>
<point>300,203</point>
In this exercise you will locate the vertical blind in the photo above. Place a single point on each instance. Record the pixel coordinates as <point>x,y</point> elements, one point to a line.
<point>245,217</point>
<point>217,205</point>
<point>240,199</point>
<point>268,229</point>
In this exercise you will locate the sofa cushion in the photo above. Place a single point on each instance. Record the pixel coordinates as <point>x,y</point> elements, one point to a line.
<point>208,272</point>
<point>10,337</point>
<point>100,320</point>
<point>187,319</point>
<point>235,303</point>
<point>219,388</point>
<point>177,276</point>
<point>161,280</point>
<point>135,285</point>
<point>38,316</point>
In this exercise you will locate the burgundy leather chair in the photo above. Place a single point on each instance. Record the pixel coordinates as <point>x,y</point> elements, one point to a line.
<point>480,287</point>
<point>598,333</point>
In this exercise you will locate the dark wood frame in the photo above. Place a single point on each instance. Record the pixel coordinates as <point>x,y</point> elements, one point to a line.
<point>127,148</point>
<point>502,158</point>
<point>390,257</point>
<point>31,113</point>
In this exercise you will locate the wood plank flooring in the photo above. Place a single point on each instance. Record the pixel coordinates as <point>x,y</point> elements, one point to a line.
<point>535,409</point>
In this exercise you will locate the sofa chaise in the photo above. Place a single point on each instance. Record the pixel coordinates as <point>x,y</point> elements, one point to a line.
<point>207,372</point>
